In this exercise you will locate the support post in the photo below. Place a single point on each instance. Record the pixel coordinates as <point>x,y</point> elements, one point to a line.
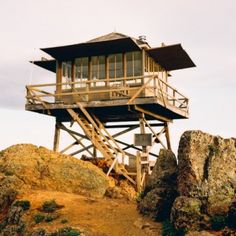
<point>94,152</point>
<point>167,134</point>
<point>56,138</point>
<point>58,79</point>
<point>142,129</point>
<point>139,172</point>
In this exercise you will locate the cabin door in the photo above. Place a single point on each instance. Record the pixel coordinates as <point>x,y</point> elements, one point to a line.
<point>66,75</point>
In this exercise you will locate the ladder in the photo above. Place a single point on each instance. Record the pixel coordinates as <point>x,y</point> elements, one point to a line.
<point>101,139</point>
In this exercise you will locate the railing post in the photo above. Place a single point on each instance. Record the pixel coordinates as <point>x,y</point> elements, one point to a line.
<point>174,94</point>
<point>155,85</point>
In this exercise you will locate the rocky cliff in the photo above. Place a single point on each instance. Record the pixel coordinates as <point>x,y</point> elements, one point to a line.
<point>205,183</point>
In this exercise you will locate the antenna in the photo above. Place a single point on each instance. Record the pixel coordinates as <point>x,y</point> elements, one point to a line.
<point>142,38</point>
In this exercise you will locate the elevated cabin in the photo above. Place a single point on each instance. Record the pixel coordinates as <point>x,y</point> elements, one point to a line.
<point>113,78</point>
<point>109,75</point>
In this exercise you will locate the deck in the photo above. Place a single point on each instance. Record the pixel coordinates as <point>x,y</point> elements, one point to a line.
<point>110,100</point>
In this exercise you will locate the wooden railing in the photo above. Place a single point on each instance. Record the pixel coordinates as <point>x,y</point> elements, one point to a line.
<point>129,88</point>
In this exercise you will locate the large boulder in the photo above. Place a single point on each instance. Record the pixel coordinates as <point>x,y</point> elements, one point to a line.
<point>207,170</point>
<point>161,188</point>
<point>206,179</point>
<point>186,213</point>
<point>26,166</point>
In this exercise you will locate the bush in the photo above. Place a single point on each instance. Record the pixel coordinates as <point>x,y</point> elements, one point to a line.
<point>25,204</point>
<point>39,218</point>
<point>50,218</point>
<point>50,206</point>
<point>232,216</point>
<point>64,221</point>
<point>218,222</point>
<point>8,173</point>
<point>168,229</point>
<point>68,231</point>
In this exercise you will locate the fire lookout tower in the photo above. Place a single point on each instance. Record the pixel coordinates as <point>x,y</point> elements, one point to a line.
<point>113,82</point>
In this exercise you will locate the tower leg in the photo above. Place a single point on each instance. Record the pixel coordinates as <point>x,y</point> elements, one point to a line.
<point>56,138</point>
<point>167,134</point>
<point>138,172</point>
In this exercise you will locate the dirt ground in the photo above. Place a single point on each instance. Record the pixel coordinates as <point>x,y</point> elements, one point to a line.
<point>99,216</point>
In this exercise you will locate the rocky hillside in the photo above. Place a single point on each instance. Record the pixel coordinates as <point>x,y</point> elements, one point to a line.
<point>26,166</point>
<point>44,193</point>
<point>198,193</point>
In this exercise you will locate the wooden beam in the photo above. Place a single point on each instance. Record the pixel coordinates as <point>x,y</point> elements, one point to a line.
<point>72,134</point>
<point>58,78</point>
<point>139,91</point>
<point>139,172</point>
<point>157,136</point>
<point>129,126</point>
<point>167,136</point>
<point>68,147</point>
<point>56,138</point>
<point>73,74</point>
<point>158,117</point>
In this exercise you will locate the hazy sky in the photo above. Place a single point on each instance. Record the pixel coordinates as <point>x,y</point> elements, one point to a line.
<point>206,29</point>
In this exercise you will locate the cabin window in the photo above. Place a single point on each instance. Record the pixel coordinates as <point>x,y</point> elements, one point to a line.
<point>66,74</point>
<point>98,67</point>
<point>81,71</point>
<point>98,70</point>
<point>116,68</point>
<point>133,64</point>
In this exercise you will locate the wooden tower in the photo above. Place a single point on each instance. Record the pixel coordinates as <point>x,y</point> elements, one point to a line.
<point>113,82</point>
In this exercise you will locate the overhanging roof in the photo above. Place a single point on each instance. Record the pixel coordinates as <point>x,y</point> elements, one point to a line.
<point>119,45</point>
<point>48,65</point>
<point>171,57</point>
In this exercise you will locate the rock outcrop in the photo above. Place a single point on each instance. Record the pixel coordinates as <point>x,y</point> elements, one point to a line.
<point>161,188</point>
<point>206,179</point>
<point>26,166</point>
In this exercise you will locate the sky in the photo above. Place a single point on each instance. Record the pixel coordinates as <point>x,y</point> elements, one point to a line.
<point>205,28</point>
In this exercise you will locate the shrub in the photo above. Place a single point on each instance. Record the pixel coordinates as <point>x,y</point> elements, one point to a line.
<point>25,204</point>
<point>64,221</point>
<point>8,173</point>
<point>168,229</point>
<point>50,218</point>
<point>213,149</point>
<point>68,231</point>
<point>50,206</point>
<point>218,222</point>
<point>38,218</point>
<point>232,216</point>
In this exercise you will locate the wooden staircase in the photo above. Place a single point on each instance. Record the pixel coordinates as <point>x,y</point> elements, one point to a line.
<point>101,139</point>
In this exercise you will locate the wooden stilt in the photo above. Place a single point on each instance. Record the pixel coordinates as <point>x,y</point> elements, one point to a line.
<point>139,172</point>
<point>56,138</point>
<point>94,152</point>
<point>167,134</point>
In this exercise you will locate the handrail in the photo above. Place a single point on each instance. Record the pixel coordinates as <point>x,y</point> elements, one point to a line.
<point>155,87</point>
<point>92,81</point>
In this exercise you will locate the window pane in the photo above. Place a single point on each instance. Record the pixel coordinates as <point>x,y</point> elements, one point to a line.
<point>66,74</point>
<point>137,64</point>
<point>84,65</point>
<point>119,66</point>
<point>94,67</point>
<point>129,64</point>
<point>78,70</point>
<point>111,59</point>
<point>102,70</point>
